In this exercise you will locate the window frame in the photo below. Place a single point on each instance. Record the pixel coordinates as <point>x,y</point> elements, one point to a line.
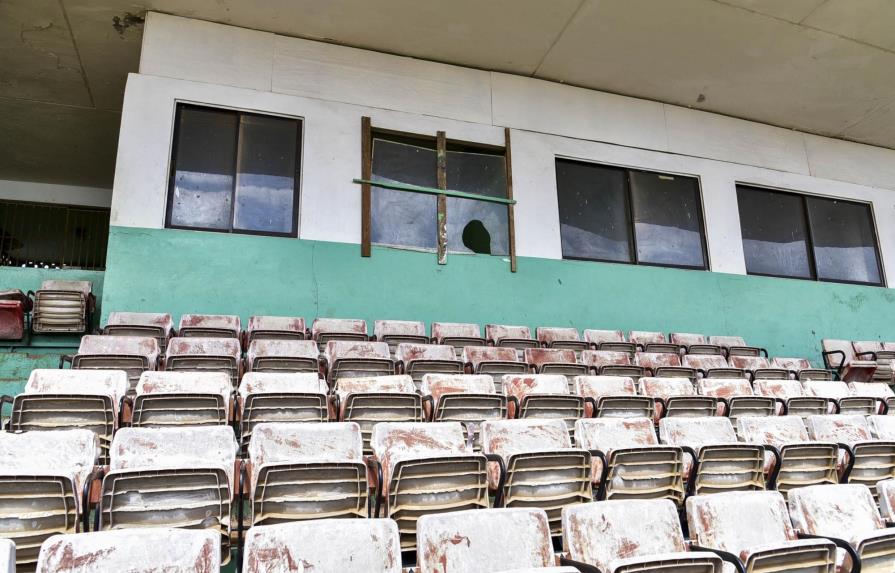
<point>629,216</point>
<point>179,105</point>
<point>809,235</point>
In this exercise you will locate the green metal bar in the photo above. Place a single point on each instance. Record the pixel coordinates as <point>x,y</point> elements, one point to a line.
<point>434,191</point>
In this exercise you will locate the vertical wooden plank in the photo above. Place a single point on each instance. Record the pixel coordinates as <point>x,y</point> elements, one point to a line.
<point>366,168</point>
<point>511,217</point>
<point>441,150</point>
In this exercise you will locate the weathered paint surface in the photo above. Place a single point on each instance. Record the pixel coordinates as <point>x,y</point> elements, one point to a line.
<point>160,320</point>
<point>550,334</point>
<point>666,387</point>
<point>886,491</point>
<point>882,427</point>
<point>338,326</point>
<point>484,540</point>
<point>644,337</point>
<point>293,324</point>
<point>437,385</point>
<point>398,328</point>
<point>120,345</point>
<point>704,362</point>
<point>598,386</point>
<point>343,545</point>
<point>540,356</point>
<point>793,364</point>
<point>200,346</point>
<point>687,339</point>
<point>408,352</point>
<point>277,382</point>
<point>396,441</point>
<point>599,358</point>
<point>68,453</point>
<point>155,382</point>
<point>839,428</point>
<point>478,354</point>
<point>653,360</point>
<point>508,437</point>
<point>723,387</point>
<point>111,383</point>
<point>607,434</point>
<point>396,384</point>
<point>773,430</point>
<point>826,389</point>
<point>696,432</point>
<point>7,556</point>
<point>441,330</point>
<point>339,349</point>
<point>282,349</point>
<point>83,287</point>
<point>593,336</point>
<point>143,550</point>
<point>779,388</point>
<point>841,510</point>
<point>497,332</point>
<point>870,389</point>
<point>522,386</point>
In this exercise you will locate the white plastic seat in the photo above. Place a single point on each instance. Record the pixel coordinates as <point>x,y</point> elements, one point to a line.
<point>306,471</point>
<point>695,344</point>
<point>493,360</point>
<point>612,363</point>
<point>204,354</point>
<point>518,337</point>
<point>612,397</point>
<point>395,332</point>
<point>134,355</point>
<point>417,360</point>
<point>711,366</point>
<point>839,355</point>
<point>282,355</point>
<point>560,337</point>
<point>735,346</point>
<point>182,399</point>
<point>336,545</point>
<point>63,307</point>
<point>885,491</point>
<point>879,391</point>
<point>147,550</point>
<point>737,398</point>
<point>542,396</point>
<point>758,367</point>
<point>209,326</point>
<point>664,365</point>
<point>457,334</point>
<point>280,397</point>
<point>840,395</point>
<point>801,368</point>
<point>653,342</point>
<point>349,359</point>
<point>158,325</point>
<point>755,527</point>
<point>555,361</point>
<point>884,355</point>
<point>466,398</point>
<point>792,397</point>
<point>676,397</point>
<point>632,535</point>
<point>372,400</point>
<point>612,340</point>
<point>344,329</point>
<point>865,460</point>
<point>275,328</point>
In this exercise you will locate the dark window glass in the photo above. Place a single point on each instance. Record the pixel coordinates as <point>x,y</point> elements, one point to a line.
<point>53,236</point>
<point>775,234</point>
<point>844,241</point>
<point>800,236</point>
<point>220,155</point>
<point>604,212</point>
<point>477,226</point>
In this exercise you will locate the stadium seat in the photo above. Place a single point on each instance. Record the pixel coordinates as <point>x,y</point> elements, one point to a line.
<point>555,361</point>
<point>466,398</point>
<point>755,528</point>
<point>737,397</point>
<point>879,391</point>
<point>177,477</point>
<point>204,354</point>
<point>149,550</point>
<point>426,468</point>
<point>839,394</point>
<point>864,460</point>
<point>653,342</point>
<point>611,340</point>
<point>14,306</point>
<point>612,363</point>
<point>722,463</point>
<point>518,337</point>
<point>676,397</point>
<point>280,397</point>
<point>457,334</point>
<point>63,307</point>
<point>267,355</point>
<point>347,329</point>
<point>543,396</point>
<point>695,343</point>
<point>846,512</point>
<point>275,328</point>
<point>71,399</point>
<point>182,399</point>
<point>395,332</point>
<point>157,325</point>
<point>493,360</point>
<point>612,397</point>
<point>336,545</point>
<point>877,351</point>
<point>886,493</point>
<point>44,479</point>
<point>306,471</point>
<point>129,353</point>
<point>614,537</point>
<point>513,540</point>
<point>560,337</point>
<point>664,365</point>
<point>801,461</point>
<point>541,467</point>
<point>711,366</point>
<point>417,360</point>
<point>349,359</point>
<point>375,399</point>
<point>839,355</point>
<point>793,398</point>
<point>757,367</point>
<point>209,326</point>
<point>7,556</point>
<point>628,462</point>
<point>736,346</point>
<point>801,369</point>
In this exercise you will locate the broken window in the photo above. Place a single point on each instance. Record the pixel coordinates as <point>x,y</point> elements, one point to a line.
<point>234,172</point>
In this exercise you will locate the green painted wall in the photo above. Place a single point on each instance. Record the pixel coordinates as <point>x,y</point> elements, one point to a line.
<point>189,271</point>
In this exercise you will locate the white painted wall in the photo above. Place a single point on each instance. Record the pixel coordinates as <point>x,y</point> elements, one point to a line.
<point>332,87</point>
<point>52,193</point>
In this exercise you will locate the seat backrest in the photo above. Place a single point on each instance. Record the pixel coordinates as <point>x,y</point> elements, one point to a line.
<point>141,550</point>
<point>599,386</point>
<point>441,330</point>
<point>394,384</point>
<point>723,387</point>
<point>282,382</point>
<point>882,427</point>
<point>727,341</point>
<point>340,349</point>
<point>847,429</point>
<point>688,339</point>
<point>718,520</point>
<point>111,383</point>
<point>282,348</point>
<point>550,334</point>
<point>772,430</point>
<point>599,533</point>
<point>343,545</point>
<point>540,356</point>
<point>382,328</point>
<point>871,390</point>
<point>173,382</point>
<point>704,361</point>
<point>408,352</point>
<point>508,437</point>
<point>489,540</point>
<point>666,387</point>
<point>273,443</point>
<point>201,346</point>
<point>696,432</point>
<point>475,355</point>
<point>844,346</point>
<point>861,346</point>
<point>794,364</point>
<point>606,434</point>
<point>288,324</point>
<point>748,362</point>
<point>393,442</point>
<point>497,332</point>
<point>838,510</point>
<point>67,453</point>
<point>779,388</point>
<point>161,320</point>
<point>599,358</point>
<point>597,337</point>
<point>83,287</point>
<point>644,337</point>
<point>174,448</point>
<point>521,386</point>
<point>221,321</point>
<point>437,385</point>
<point>826,388</point>
<point>657,359</point>
<point>120,345</point>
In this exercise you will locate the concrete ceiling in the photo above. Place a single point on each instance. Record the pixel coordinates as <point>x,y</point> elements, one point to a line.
<point>821,66</point>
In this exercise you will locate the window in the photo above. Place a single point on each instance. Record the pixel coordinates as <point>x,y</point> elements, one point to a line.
<point>53,236</point>
<point>800,236</point>
<point>407,219</point>
<point>234,172</point>
<point>629,216</point>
